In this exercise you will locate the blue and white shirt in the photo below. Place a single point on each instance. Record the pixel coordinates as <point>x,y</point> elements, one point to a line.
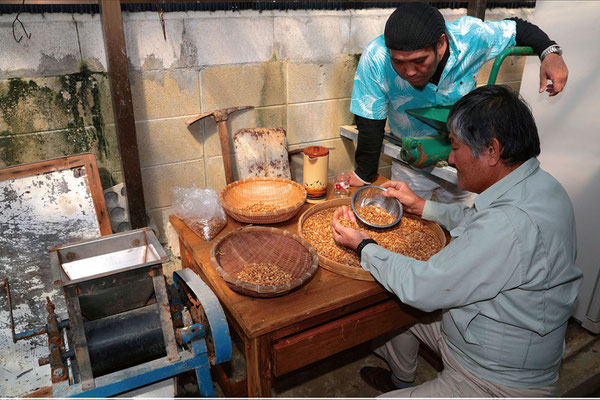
<point>379,92</point>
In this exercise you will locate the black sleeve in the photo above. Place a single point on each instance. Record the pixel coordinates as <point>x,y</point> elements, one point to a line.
<point>368,148</point>
<point>529,34</point>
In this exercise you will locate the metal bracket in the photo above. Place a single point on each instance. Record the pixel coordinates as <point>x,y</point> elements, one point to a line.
<point>219,336</point>
<point>6,286</point>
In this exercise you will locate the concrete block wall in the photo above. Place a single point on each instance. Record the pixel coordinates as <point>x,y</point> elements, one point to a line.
<point>55,97</point>
<point>295,67</point>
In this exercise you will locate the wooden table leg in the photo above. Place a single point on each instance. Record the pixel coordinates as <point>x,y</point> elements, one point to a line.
<point>259,366</point>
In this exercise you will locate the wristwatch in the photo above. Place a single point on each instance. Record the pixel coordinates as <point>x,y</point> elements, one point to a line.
<point>551,49</point>
<point>362,244</point>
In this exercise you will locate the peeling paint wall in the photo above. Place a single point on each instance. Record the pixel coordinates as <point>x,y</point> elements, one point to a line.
<point>295,67</point>
<point>54,93</point>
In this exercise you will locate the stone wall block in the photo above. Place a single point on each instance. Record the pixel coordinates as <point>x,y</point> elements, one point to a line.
<point>316,36</point>
<point>70,101</point>
<point>500,13</point>
<point>108,156</point>
<point>263,117</point>
<point>451,15</point>
<point>106,102</point>
<point>168,141</point>
<point>228,39</point>
<point>20,149</point>
<point>147,48</point>
<point>160,216</point>
<point>52,49</point>
<point>159,181</point>
<point>91,42</point>
<point>255,85</point>
<point>341,155</point>
<point>309,122</point>
<point>321,81</point>
<point>160,94</point>
<point>366,26</point>
<point>215,173</point>
<point>31,105</point>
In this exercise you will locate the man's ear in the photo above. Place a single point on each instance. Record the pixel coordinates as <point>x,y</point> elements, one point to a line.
<point>441,41</point>
<point>440,46</point>
<point>494,150</point>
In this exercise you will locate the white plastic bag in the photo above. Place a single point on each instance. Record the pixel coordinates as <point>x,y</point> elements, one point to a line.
<point>200,209</point>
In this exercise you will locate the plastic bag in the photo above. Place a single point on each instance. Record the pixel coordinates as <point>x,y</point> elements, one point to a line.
<point>200,209</point>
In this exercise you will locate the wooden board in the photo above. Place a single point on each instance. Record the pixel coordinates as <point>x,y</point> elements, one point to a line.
<point>348,270</point>
<point>44,204</point>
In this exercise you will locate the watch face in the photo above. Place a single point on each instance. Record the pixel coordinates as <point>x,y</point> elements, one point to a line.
<point>554,49</point>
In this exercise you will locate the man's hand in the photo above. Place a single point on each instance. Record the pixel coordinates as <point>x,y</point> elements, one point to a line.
<point>554,68</point>
<point>410,201</point>
<point>347,237</point>
<point>354,181</point>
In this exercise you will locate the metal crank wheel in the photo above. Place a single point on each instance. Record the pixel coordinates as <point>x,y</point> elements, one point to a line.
<point>204,308</point>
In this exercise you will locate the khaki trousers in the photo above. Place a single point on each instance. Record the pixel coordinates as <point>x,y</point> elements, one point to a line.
<point>454,381</point>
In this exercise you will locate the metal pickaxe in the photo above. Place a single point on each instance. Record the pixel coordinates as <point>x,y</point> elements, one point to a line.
<point>221,119</point>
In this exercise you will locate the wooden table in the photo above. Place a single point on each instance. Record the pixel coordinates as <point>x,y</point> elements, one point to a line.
<point>327,315</point>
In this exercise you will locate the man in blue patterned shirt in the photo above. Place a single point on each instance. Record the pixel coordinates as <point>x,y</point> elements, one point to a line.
<point>421,61</point>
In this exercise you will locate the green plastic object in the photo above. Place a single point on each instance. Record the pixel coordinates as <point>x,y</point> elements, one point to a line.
<point>433,116</point>
<point>429,150</point>
<point>426,150</point>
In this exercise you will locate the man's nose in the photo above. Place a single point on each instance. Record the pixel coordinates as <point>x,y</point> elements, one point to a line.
<point>451,158</point>
<point>410,71</point>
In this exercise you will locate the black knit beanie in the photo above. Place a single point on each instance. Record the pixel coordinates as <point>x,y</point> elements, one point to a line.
<point>413,26</point>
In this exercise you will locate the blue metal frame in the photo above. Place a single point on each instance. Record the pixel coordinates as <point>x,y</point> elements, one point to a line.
<point>212,309</point>
<point>161,369</point>
<point>141,375</point>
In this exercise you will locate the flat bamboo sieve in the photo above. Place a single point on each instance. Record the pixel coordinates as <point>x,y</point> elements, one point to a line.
<point>257,244</point>
<point>350,270</point>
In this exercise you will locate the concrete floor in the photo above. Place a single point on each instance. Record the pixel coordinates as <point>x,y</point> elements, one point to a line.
<point>338,375</point>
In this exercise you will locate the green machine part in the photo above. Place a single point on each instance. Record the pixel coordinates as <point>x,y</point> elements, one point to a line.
<point>434,150</point>
<point>428,150</point>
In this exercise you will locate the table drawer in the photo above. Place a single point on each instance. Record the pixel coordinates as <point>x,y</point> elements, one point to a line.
<point>314,344</point>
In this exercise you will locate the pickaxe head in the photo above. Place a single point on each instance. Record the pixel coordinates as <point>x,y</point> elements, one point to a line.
<point>219,115</point>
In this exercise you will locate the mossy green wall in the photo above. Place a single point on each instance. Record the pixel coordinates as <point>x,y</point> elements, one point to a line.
<point>54,116</point>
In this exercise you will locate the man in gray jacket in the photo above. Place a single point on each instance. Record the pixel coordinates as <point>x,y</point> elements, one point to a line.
<point>507,282</point>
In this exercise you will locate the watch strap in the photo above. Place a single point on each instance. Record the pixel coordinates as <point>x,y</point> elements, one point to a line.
<point>362,245</point>
<point>551,49</point>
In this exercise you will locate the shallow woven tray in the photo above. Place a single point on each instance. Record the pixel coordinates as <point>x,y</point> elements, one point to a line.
<point>257,244</point>
<point>287,195</point>
<point>348,270</point>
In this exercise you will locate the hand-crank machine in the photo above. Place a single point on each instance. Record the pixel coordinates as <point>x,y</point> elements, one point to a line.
<point>126,328</point>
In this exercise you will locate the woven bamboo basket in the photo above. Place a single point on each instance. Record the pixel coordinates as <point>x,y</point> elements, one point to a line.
<point>257,244</point>
<point>288,196</point>
<point>349,270</point>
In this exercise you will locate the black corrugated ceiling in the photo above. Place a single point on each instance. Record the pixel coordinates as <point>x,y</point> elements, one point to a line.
<point>232,5</point>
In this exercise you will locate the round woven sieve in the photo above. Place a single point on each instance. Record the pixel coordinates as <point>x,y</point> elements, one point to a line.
<point>255,244</point>
<point>286,195</point>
